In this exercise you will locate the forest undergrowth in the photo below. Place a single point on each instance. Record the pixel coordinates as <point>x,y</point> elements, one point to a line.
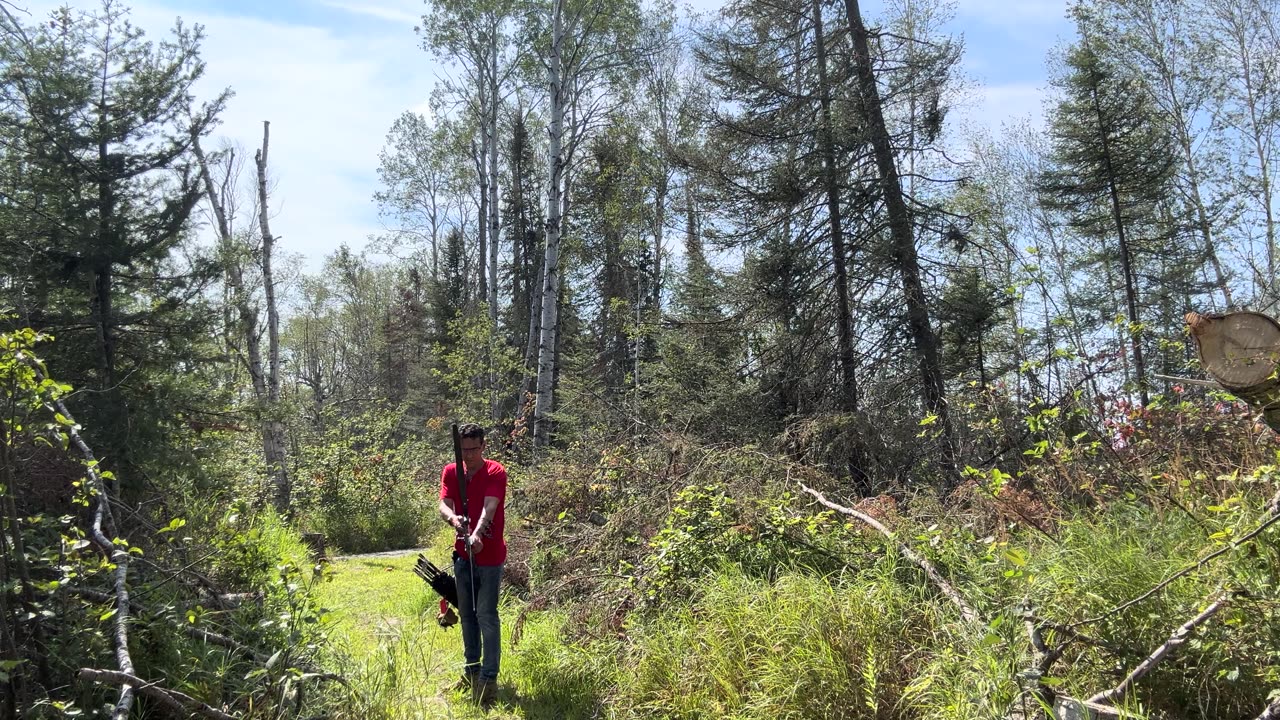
<point>667,580</point>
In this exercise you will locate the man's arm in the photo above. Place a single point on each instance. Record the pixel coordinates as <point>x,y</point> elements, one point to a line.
<point>486,518</point>
<point>489,512</point>
<point>449,516</point>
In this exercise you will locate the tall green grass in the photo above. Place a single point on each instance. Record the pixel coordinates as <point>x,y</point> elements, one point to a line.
<point>872,641</point>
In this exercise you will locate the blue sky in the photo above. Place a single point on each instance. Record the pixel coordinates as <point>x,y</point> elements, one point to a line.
<point>332,75</point>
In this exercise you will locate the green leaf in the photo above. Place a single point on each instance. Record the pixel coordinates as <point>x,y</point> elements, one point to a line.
<point>174,524</point>
<point>1015,556</point>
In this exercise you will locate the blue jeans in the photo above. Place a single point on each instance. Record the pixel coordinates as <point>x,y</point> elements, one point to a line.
<point>481,629</point>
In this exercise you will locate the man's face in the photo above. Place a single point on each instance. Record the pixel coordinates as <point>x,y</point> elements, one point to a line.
<point>472,452</point>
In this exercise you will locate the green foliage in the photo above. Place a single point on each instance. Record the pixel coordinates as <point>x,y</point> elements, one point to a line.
<point>477,368</point>
<point>559,679</point>
<point>708,529</point>
<point>367,484</point>
<point>97,121</point>
<point>803,646</point>
<point>253,546</point>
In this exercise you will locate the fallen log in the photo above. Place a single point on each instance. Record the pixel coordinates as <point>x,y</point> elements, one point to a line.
<point>1176,640</point>
<point>180,702</point>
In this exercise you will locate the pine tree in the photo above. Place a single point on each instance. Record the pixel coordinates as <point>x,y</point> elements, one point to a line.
<point>1113,162</point>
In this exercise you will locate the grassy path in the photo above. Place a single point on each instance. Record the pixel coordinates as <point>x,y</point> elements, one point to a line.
<point>398,659</point>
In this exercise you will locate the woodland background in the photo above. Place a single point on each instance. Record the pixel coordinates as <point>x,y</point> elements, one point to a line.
<point>678,265</point>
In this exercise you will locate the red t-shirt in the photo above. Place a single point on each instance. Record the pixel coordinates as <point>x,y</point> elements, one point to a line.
<point>489,481</point>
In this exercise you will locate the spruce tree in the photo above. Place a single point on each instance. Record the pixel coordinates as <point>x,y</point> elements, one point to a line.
<point>1113,162</point>
<point>99,183</point>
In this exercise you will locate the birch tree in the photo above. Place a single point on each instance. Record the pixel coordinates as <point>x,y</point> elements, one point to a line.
<point>273,435</point>
<point>474,35</point>
<point>1244,37</point>
<point>1157,40</point>
<point>585,44</point>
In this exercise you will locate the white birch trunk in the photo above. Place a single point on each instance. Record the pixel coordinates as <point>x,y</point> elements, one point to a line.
<point>482,173</point>
<point>550,329</point>
<point>492,122</point>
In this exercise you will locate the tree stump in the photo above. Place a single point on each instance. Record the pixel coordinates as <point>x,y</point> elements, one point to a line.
<point>315,543</point>
<point>1241,351</point>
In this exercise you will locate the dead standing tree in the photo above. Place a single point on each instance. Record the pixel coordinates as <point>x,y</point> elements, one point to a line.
<point>266,382</point>
<point>904,245</point>
<point>273,438</point>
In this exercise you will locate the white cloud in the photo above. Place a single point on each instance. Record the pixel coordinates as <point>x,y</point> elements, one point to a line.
<point>330,100</point>
<point>990,107</point>
<point>393,12</point>
<point>331,93</point>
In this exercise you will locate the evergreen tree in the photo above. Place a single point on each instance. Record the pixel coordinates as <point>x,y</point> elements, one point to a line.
<point>773,165</point>
<point>522,219</point>
<point>99,183</point>
<point>1113,161</point>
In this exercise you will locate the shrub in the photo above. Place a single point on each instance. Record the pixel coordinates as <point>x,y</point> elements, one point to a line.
<point>367,485</point>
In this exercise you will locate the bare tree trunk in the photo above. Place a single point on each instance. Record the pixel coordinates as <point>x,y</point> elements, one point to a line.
<point>1126,268</point>
<point>248,317</point>
<point>526,289</point>
<point>482,218</point>
<point>533,341</point>
<point>493,176</point>
<point>844,316</point>
<point>900,229</point>
<point>273,430</point>
<point>492,122</point>
<point>549,330</point>
<point>659,232</point>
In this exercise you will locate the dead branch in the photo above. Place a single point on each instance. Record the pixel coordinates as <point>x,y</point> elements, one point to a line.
<point>208,636</point>
<point>1070,632</point>
<point>966,611</point>
<point>1044,657</point>
<point>118,556</point>
<point>177,701</point>
<point>1179,636</point>
<point>1272,520</point>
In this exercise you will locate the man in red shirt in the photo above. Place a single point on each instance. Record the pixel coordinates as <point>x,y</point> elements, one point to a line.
<point>486,498</point>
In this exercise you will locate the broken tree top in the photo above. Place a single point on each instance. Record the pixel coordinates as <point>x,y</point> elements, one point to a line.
<point>1241,351</point>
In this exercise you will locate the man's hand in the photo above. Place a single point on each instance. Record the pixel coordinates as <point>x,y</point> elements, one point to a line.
<point>456,522</point>
<point>476,543</point>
